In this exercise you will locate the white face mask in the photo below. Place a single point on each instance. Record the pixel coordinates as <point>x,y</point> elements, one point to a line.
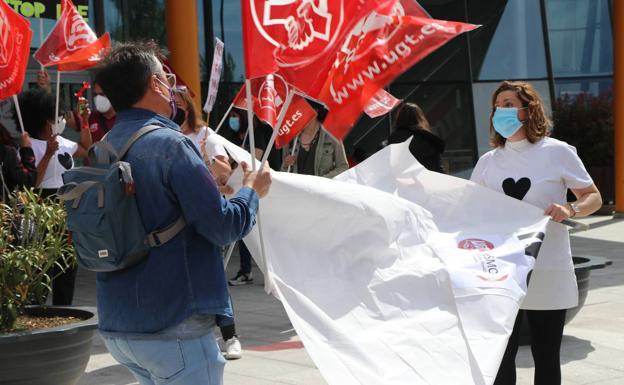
<point>59,127</point>
<point>102,104</point>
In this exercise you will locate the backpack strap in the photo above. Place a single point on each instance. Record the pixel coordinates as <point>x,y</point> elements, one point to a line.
<point>135,137</point>
<point>160,237</point>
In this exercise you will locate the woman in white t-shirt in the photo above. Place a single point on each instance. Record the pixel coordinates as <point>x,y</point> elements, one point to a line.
<point>529,165</point>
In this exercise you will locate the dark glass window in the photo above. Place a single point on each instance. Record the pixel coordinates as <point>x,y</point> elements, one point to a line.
<point>574,87</point>
<point>231,33</point>
<point>448,108</point>
<point>510,44</point>
<point>581,40</point>
<point>136,20</point>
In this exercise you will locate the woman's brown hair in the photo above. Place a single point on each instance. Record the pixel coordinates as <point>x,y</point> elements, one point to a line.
<point>411,115</point>
<point>195,122</point>
<point>537,124</point>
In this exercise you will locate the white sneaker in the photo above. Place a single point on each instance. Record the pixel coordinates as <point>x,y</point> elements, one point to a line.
<point>233,349</point>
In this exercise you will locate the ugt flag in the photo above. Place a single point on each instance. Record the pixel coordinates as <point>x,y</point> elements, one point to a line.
<point>15,36</point>
<point>300,36</point>
<point>378,49</point>
<point>86,57</point>
<point>70,35</point>
<point>396,275</point>
<point>269,95</point>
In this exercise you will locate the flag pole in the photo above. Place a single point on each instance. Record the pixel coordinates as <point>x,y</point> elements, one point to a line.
<point>280,120</point>
<point>41,38</point>
<point>228,255</point>
<point>292,153</point>
<point>19,112</point>
<point>250,128</point>
<point>58,93</point>
<point>223,119</point>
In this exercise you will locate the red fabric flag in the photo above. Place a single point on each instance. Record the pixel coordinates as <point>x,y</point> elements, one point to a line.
<point>86,57</point>
<point>15,36</point>
<point>381,103</point>
<point>268,94</point>
<point>298,115</point>
<point>383,47</point>
<point>298,38</point>
<point>70,34</point>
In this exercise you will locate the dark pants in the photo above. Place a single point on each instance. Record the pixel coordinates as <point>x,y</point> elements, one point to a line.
<point>245,258</point>
<point>546,328</point>
<point>63,287</point>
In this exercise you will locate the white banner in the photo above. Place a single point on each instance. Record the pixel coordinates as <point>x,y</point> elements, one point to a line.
<point>397,275</point>
<point>215,75</point>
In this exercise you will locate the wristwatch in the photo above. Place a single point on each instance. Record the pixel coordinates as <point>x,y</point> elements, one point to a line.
<point>575,209</point>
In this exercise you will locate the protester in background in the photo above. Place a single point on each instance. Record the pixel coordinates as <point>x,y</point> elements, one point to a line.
<point>183,281</point>
<point>426,146</point>
<point>102,119</point>
<point>43,80</point>
<point>53,156</point>
<point>216,158</point>
<point>17,171</point>
<point>529,165</point>
<point>317,153</point>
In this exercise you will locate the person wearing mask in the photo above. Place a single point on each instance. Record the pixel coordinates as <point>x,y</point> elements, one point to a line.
<point>216,158</point>
<point>317,153</point>
<point>183,281</point>
<point>102,119</point>
<point>529,165</point>
<point>426,146</point>
<point>17,171</point>
<point>53,156</point>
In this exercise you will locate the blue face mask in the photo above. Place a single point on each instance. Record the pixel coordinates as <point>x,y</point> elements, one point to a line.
<point>506,122</point>
<point>234,124</point>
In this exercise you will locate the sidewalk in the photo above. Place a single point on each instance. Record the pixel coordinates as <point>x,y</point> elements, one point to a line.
<point>592,350</point>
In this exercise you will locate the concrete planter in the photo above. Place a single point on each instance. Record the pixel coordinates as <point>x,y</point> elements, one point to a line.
<point>582,269</point>
<point>53,356</point>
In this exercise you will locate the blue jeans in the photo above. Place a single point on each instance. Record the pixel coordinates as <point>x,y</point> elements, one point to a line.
<point>195,361</point>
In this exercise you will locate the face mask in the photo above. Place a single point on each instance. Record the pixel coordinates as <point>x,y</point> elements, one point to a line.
<point>59,127</point>
<point>180,117</point>
<point>234,124</point>
<point>172,102</point>
<point>506,122</point>
<point>102,104</point>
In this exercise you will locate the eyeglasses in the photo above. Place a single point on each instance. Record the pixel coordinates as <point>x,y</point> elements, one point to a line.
<point>180,89</point>
<point>171,79</point>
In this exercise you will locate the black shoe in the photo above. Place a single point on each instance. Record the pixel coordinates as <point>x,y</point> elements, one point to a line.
<point>241,279</point>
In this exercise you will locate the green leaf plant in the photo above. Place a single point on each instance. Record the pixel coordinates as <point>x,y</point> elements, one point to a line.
<point>34,247</point>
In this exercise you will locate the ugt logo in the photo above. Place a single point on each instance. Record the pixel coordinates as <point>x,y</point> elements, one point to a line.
<point>77,32</point>
<point>298,26</point>
<point>7,43</point>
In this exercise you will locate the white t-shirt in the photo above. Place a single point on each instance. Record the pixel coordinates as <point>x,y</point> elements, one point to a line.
<point>540,174</point>
<point>60,162</point>
<point>212,148</point>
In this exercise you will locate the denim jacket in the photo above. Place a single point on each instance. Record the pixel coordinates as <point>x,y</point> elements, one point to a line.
<point>185,276</point>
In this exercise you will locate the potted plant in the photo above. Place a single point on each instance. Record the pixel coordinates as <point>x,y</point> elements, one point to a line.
<point>38,344</point>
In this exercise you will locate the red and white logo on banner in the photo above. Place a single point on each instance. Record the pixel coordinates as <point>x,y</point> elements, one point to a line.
<point>15,36</point>
<point>475,244</point>
<point>268,94</point>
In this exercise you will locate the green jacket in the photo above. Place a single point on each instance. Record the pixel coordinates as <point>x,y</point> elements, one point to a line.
<point>330,158</point>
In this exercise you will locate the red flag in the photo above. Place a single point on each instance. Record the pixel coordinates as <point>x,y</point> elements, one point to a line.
<point>298,38</point>
<point>380,49</point>
<point>15,36</point>
<point>268,94</point>
<point>86,57</point>
<point>298,115</point>
<point>381,103</point>
<point>70,34</point>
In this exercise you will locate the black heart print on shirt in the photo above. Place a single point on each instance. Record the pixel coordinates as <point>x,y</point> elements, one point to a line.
<point>517,189</point>
<point>65,160</point>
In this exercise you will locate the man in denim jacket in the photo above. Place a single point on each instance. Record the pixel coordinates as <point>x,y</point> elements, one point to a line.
<point>156,317</point>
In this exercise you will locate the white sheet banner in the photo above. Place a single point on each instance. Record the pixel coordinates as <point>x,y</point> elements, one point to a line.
<point>396,275</point>
<point>215,75</point>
